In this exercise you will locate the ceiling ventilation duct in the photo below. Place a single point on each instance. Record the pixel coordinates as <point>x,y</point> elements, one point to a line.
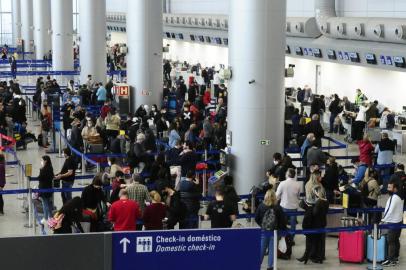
<point>391,30</point>
<point>302,27</point>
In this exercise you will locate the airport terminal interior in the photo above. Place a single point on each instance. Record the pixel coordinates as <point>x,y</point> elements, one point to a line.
<point>207,134</point>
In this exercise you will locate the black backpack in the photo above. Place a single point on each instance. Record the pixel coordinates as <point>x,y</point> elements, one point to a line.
<point>45,124</point>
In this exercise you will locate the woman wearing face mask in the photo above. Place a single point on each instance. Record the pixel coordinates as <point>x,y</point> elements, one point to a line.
<point>46,175</point>
<point>154,113</point>
<point>93,197</point>
<point>89,130</point>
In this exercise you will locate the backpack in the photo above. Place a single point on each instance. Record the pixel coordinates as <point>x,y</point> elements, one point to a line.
<point>45,124</point>
<point>300,95</point>
<point>390,122</point>
<point>269,220</point>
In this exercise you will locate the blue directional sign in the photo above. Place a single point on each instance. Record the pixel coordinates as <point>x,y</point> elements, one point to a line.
<point>237,249</point>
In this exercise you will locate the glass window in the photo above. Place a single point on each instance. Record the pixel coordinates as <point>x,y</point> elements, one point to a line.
<point>5,5</point>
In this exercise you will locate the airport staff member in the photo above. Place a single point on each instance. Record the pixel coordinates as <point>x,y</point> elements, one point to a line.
<point>393,215</point>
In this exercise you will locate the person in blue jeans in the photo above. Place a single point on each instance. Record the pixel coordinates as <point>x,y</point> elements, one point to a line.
<point>67,174</point>
<point>45,178</point>
<point>270,217</point>
<point>288,193</point>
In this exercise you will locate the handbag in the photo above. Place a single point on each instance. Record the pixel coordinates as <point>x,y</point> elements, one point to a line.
<point>55,222</point>
<point>282,247</point>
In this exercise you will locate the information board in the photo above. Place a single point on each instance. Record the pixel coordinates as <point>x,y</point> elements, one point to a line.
<point>237,249</point>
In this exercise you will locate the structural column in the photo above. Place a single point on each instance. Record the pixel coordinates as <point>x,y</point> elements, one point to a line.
<point>62,35</point>
<point>27,23</point>
<point>42,25</point>
<point>144,60</point>
<point>16,8</point>
<point>93,59</point>
<point>256,101</point>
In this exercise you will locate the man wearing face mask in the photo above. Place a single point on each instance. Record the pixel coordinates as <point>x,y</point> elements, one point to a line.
<point>277,164</point>
<point>67,174</point>
<point>393,215</point>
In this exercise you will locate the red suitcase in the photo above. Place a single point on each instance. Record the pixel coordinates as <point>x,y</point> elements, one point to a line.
<point>351,247</point>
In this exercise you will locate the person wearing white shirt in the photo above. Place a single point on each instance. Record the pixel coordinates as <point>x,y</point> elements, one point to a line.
<point>216,83</point>
<point>288,193</point>
<point>393,215</point>
<point>360,122</point>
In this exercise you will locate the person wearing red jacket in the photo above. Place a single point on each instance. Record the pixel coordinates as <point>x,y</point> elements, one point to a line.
<point>124,213</point>
<point>366,150</point>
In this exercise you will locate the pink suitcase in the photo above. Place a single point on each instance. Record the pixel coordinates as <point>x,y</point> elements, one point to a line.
<point>351,247</point>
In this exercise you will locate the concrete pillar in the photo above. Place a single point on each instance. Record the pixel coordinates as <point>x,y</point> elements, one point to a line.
<point>93,57</point>
<point>62,35</point>
<point>42,25</point>
<point>16,21</point>
<point>27,23</point>
<point>256,101</point>
<point>144,60</point>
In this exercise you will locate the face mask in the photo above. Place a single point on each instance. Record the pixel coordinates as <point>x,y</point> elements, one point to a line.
<point>109,163</point>
<point>153,109</point>
<point>275,162</point>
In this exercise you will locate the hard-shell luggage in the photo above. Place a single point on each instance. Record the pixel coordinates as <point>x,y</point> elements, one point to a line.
<point>381,248</point>
<point>351,247</point>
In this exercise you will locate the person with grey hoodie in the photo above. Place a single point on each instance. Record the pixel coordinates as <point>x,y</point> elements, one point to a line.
<point>208,132</point>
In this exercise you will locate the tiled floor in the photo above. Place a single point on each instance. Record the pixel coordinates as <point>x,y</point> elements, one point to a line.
<point>12,223</point>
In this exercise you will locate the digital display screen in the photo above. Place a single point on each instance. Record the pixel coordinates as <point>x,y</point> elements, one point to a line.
<point>389,60</point>
<point>331,54</point>
<point>299,51</point>
<point>371,59</point>
<point>317,53</point>
<point>383,61</point>
<point>354,57</point>
<point>399,61</point>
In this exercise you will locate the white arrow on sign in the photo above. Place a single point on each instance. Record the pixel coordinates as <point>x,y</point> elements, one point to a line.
<point>125,242</point>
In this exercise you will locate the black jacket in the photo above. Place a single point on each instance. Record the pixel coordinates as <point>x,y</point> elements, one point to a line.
<point>320,211</point>
<point>46,175</point>
<point>335,107</point>
<point>92,197</point>
<point>280,216</point>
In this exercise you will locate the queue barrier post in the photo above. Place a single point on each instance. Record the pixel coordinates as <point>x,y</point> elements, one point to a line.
<point>253,197</point>
<point>30,215</point>
<point>374,265</point>
<point>83,164</point>
<point>60,145</point>
<point>275,249</point>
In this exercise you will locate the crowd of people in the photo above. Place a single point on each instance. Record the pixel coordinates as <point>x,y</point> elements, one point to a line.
<point>159,138</point>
